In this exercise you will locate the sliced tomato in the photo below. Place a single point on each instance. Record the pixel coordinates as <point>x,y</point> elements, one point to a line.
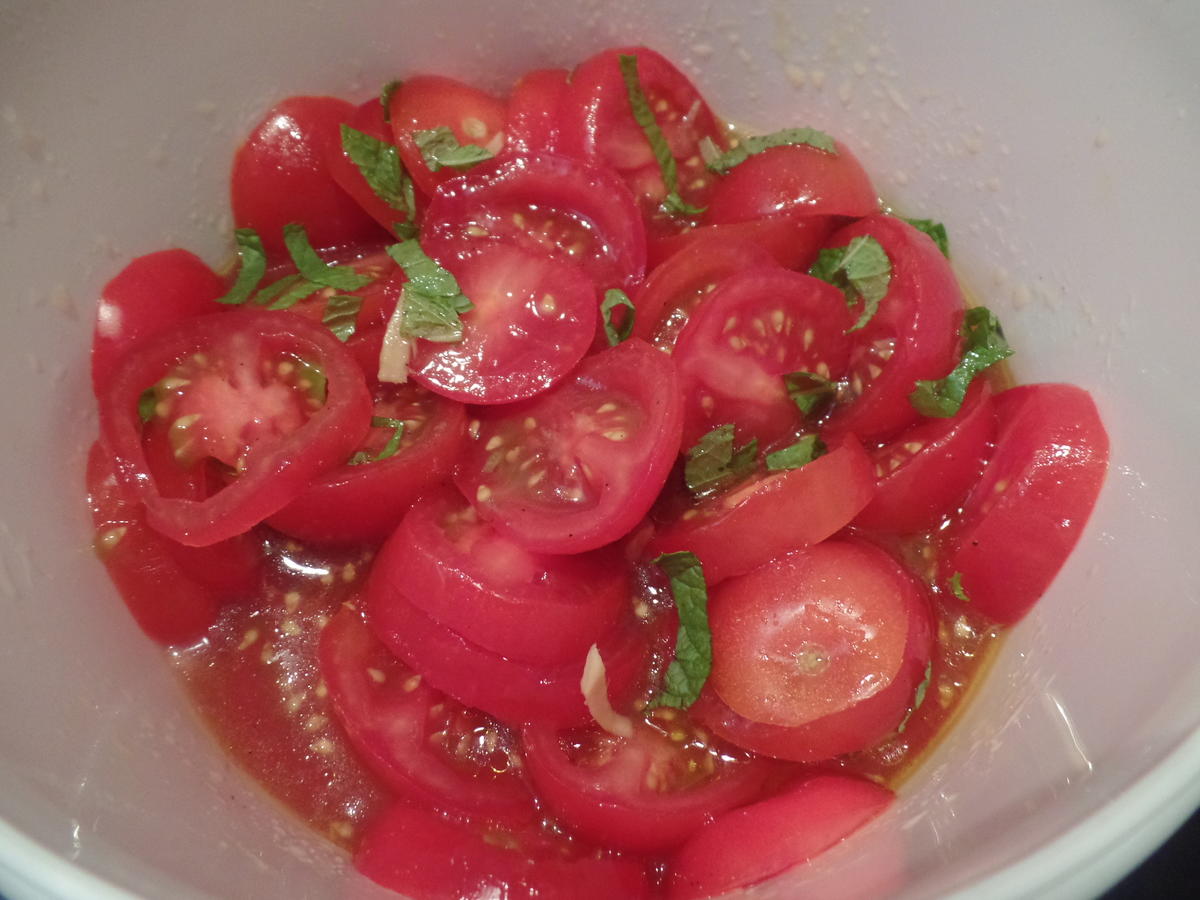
<point>577,467</point>
<point>913,335</point>
<point>367,118</point>
<point>568,208</point>
<point>427,102</point>
<point>924,474</point>
<point>417,739</point>
<point>757,326</point>
<point>274,398</point>
<point>280,175</point>
<point>758,521</point>
<point>535,111</point>
<point>365,500</point>
<point>420,854</point>
<point>377,299</point>
<point>792,240</point>
<point>534,319</point>
<point>749,845</point>
<point>1023,518</point>
<point>646,793</point>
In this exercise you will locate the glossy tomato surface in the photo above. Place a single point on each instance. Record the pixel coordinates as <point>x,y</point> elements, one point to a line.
<point>535,112</point>
<point>367,118</point>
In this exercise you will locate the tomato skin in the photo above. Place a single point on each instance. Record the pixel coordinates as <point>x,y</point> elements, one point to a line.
<point>367,118</point>
<point>744,528</point>
<point>148,296</point>
<point>535,109</point>
<point>280,176</point>
<point>749,845</point>
<point>1023,518</point>
<point>279,473</point>
<point>792,240</point>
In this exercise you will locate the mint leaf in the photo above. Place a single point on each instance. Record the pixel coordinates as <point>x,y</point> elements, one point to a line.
<point>918,698</point>
<point>713,464</point>
<point>613,298</point>
<point>861,270</point>
<point>985,346</point>
<point>390,449</point>
<point>385,98</point>
<point>379,163</point>
<point>644,116</point>
<point>432,300</point>
<point>341,315</point>
<point>310,265</point>
<point>935,230</point>
<point>252,268</point>
<point>297,289</point>
<point>798,454</point>
<point>723,162</point>
<point>810,392</point>
<point>956,587</point>
<point>440,148</point>
<point>693,645</point>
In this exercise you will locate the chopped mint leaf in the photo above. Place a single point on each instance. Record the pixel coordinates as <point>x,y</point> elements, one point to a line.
<point>275,288</point>
<point>432,300</point>
<point>810,392</point>
<point>385,98</point>
<point>918,698</point>
<point>713,464</point>
<point>798,454</point>
<point>673,203</point>
<point>341,315</point>
<point>956,587</point>
<point>935,230</point>
<point>440,148</point>
<point>252,269</point>
<point>310,265</point>
<point>406,231</point>
<point>613,298</point>
<point>693,645</point>
<point>297,290</point>
<point>723,162</point>
<point>390,449</point>
<point>985,346</point>
<point>147,403</point>
<point>861,270</point>
<point>379,163</point>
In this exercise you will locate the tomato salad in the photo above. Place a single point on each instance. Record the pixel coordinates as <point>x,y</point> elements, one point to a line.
<point>567,496</point>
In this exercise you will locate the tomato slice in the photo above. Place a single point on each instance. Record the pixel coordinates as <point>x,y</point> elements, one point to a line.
<point>366,501</point>
<point>568,208</point>
<point>419,854</point>
<point>577,467</point>
<point>757,326</point>
<point>646,793</point>
<point>280,175</point>
<point>749,845</point>
<point>417,739</point>
<point>535,110</point>
<point>426,102</point>
<point>758,521</point>
<point>913,335</point>
<point>244,388</point>
<point>925,473</point>
<point>1023,518</point>
<point>367,118</point>
<point>792,240</point>
<point>534,319</point>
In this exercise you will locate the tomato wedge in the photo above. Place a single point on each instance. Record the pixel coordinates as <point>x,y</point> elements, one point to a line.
<point>244,388</point>
<point>367,118</point>
<point>577,467</point>
<point>792,240</point>
<point>535,111</point>
<point>1025,515</point>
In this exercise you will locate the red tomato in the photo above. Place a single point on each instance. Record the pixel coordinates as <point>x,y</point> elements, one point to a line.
<point>598,122</point>
<point>577,467</point>
<point>521,605</point>
<point>365,501</point>
<point>756,522</point>
<point>426,102</point>
<point>533,320</point>
<point>367,118</point>
<point>646,793</point>
<point>757,326</point>
<point>243,388</point>
<point>793,240</point>
<point>793,179</point>
<point>913,335</point>
<point>378,298</point>
<point>749,845</point>
<point>417,739</point>
<point>924,474</point>
<point>1025,515</point>
<point>149,295</point>
<point>280,176</point>
<point>419,854</point>
<point>535,110</point>
<point>549,204</point>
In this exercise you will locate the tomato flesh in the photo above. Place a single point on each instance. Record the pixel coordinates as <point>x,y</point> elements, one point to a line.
<point>367,118</point>
<point>535,110</point>
<point>792,240</point>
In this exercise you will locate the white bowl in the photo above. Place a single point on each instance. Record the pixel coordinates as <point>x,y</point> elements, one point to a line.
<point>1057,141</point>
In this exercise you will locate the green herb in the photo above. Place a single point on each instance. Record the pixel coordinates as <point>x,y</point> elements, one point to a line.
<point>935,230</point>
<point>713,464</point>
<point>390,449</point>
<point>147,403</point>
<point>312,378</point>
<point>985,346</point>
<point>379,163</point>
<point>798,454</point>
<point>297,289</point>
<point>747,147</point>
<point>440,148</point>
<point>252,268</point>
<point>310,265</point>
<point>341,315</point>
<point>810,392</point>
<point>956,587</point>
<point>693,645</point>
<point>644,116</point>
<point>406,231</point>
<point>918,699</point>
<point>432,300</point>
<point>613,298</point>
<point>861,270</point>
<point>385,98</point>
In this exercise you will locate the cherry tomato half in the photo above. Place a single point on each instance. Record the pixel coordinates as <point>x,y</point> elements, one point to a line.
<point>535,112</point>
<point>367,118</point>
